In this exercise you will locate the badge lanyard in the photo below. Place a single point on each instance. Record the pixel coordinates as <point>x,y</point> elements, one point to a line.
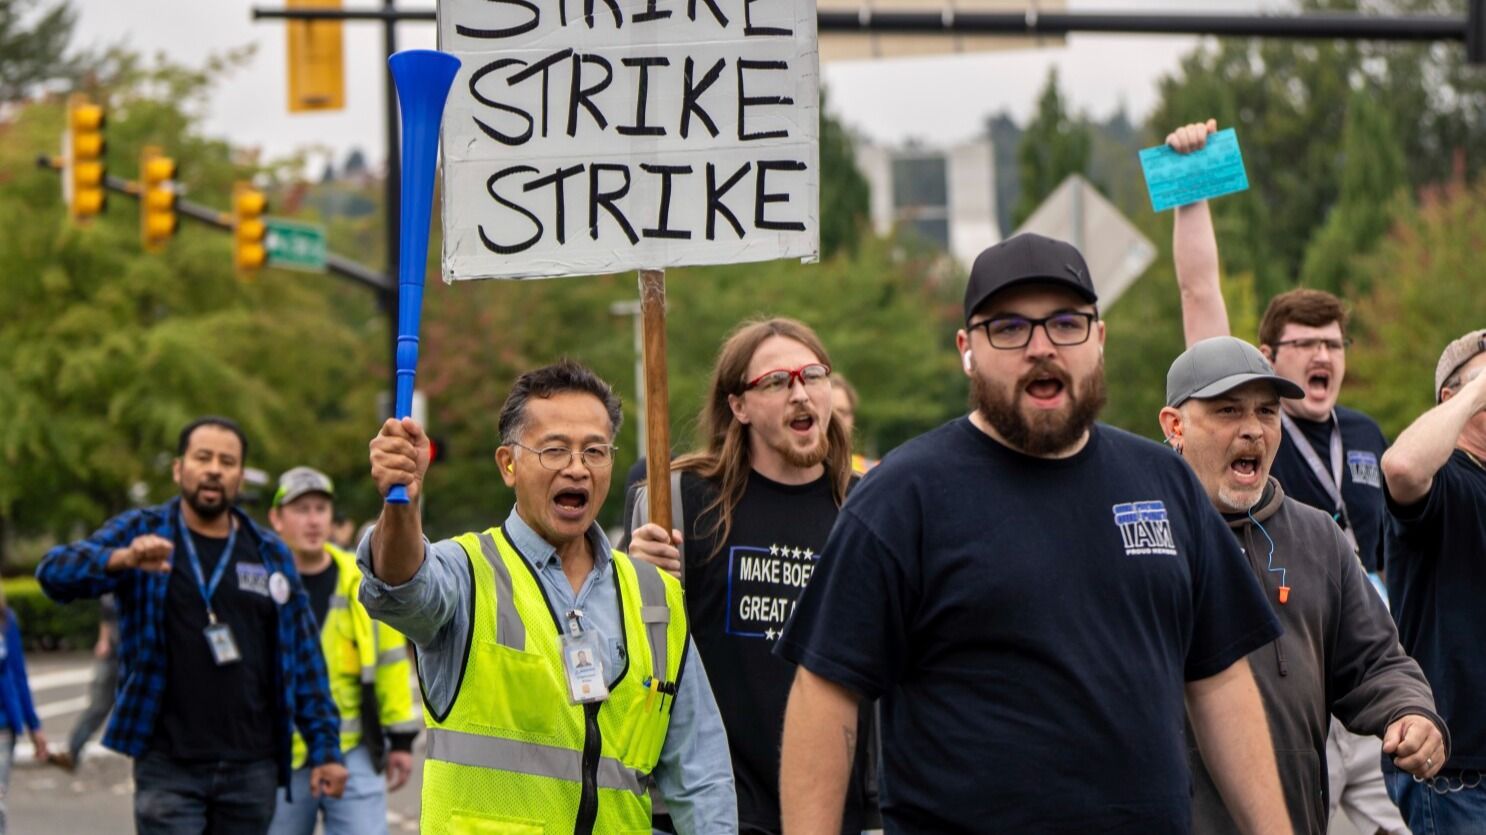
<point>208,589</point>
<point>218,635</point>
<point>1332,480</point>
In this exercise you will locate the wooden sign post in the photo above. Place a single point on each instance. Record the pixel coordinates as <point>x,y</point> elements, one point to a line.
<point>657,399</point>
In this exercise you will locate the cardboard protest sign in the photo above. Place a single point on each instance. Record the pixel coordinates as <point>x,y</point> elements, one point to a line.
<point>594,136</point>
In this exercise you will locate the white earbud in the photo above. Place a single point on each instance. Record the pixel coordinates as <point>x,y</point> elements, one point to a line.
<point>965,361</point>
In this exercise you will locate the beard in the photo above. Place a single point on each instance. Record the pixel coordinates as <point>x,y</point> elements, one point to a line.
<point>1045,433</point>
<point>208,509</point>
<point>805,459</point>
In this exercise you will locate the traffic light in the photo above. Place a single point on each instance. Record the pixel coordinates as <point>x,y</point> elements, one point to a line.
<point>248,230</point>
<point>157,220</point>
<point>84,171</point>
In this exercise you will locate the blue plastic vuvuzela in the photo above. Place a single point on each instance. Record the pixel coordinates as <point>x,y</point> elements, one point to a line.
<point>423,77</point>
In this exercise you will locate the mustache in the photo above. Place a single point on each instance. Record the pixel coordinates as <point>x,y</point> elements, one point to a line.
<point>1044,369</point>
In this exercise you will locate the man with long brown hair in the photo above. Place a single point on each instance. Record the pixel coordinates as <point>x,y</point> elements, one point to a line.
<point>758,500</point>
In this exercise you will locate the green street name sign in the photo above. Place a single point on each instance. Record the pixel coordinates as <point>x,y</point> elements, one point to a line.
<point>295,246</point>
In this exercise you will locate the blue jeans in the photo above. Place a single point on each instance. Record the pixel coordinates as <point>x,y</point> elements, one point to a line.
<point>362,809</point>
<point>1453,801</point>
<point>181,797</point>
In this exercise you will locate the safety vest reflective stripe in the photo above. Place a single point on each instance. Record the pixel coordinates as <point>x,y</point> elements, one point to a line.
<point>657,616</point>
<point>392,656</point>
<point>509,630</point>
<point>494,752</point>
<point>339,601</point>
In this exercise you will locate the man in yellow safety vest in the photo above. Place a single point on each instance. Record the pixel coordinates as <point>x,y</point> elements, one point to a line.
<point>367,664</point>
<point>558,675</point>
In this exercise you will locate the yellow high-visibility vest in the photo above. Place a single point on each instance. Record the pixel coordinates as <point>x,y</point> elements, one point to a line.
<point>511,755</point>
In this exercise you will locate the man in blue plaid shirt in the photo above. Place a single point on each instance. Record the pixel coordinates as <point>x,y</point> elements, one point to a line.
<point>219,653</point>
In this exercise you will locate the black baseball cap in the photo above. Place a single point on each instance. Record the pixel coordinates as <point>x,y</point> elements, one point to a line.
<point>1023,259</point>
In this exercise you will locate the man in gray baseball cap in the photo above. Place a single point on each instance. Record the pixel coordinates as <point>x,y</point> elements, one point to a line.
<point>1339,653</point>
<point>1435,479</point>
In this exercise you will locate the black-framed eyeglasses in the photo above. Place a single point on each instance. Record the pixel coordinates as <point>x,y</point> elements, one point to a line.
<point>595,456</point>
<point>1311,344</point>
<point>1070,327</point>
<point>810,375</point>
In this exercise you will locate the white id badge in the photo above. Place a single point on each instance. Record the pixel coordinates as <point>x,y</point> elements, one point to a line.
<point>224,647</point>
<point>583,664</point>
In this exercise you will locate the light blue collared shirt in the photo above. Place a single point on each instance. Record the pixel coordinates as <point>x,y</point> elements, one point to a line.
<point>695,772</point>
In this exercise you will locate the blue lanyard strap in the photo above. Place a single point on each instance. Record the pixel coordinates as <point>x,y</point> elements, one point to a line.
<point>208,589</point>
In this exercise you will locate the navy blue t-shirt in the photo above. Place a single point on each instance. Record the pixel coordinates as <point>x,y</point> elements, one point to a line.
<point>1029,625</point>
<point>1363,446</point>
<point>1437,592</point>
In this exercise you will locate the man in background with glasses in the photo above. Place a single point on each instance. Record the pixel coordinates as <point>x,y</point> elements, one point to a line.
<point>1037,599</point>
<point>757,499</point>
<point>524,728</point>
<point>1328,457</point>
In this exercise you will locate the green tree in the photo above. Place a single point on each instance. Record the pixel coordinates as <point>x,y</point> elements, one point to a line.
<point>1425,280</point>
<point>1054,145</point>
<point>844,194</point>
<point>32,54</point>
<point>1372,186</point>
<point>110,351</point>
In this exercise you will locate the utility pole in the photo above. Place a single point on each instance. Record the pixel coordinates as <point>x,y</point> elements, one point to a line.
<point>392,188</point>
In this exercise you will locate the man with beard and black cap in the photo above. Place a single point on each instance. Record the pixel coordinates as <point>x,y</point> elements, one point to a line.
<point>218,651</point>
<point>757,501</point>
<point>1340,653</point>
<point>1036,598</point>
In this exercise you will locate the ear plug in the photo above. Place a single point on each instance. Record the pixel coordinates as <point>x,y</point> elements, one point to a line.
<point>510,468</point>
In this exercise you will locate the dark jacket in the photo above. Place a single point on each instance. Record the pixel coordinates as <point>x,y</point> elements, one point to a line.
<point>1339,655</point>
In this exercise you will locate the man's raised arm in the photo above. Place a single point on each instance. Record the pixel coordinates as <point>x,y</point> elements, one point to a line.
<point>1194,247</point>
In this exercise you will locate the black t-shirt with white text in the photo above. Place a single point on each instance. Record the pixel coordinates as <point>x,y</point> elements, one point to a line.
<point>1363,446</point>
<point>738,599</point>
<point>211,712</point>
<point>1029,625</point>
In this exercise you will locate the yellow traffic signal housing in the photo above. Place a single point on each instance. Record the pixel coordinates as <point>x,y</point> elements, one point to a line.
<point>248,230</point>
<point>157,198</point>
<point>84,170</point>
<point>317,71</point>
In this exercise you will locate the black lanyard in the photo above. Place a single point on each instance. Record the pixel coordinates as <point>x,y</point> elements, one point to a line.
<point>1331,480</point>
<point>208,589</point>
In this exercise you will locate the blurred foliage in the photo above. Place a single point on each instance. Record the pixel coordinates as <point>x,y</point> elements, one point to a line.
<point>49,625</point>
<point>1055,144</point>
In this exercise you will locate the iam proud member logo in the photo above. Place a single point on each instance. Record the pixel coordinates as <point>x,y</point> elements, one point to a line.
<point>1364,467</point>
<point>1145,528</point>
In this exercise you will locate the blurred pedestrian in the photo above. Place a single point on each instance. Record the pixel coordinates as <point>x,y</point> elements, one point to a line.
<point>15,700</point>
<point>1436,558</point>
<point>101,690</point>
<point>844,401</point>
<point>521,736</point>
<point>368,667</point>
<point>343,531</point>
<point>218,665</point>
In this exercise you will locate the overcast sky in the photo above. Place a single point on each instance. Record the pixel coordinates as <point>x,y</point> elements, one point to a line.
<point>938,100</point>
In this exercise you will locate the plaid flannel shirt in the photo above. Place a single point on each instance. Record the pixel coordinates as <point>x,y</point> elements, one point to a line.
<point>70,572</point>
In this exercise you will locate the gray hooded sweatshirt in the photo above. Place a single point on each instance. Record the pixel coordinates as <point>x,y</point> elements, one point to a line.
<point>1339,654</point>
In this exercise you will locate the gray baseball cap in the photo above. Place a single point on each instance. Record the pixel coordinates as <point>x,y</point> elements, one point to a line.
<point>1456,354</point>
<point>1221,364</point>
<point>301,481</point>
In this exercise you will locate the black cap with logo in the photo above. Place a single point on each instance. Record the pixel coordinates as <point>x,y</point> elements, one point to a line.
<point>1024,259</point>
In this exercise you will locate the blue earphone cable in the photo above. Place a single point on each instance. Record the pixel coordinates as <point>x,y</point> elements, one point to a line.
<point>1270,560</point>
